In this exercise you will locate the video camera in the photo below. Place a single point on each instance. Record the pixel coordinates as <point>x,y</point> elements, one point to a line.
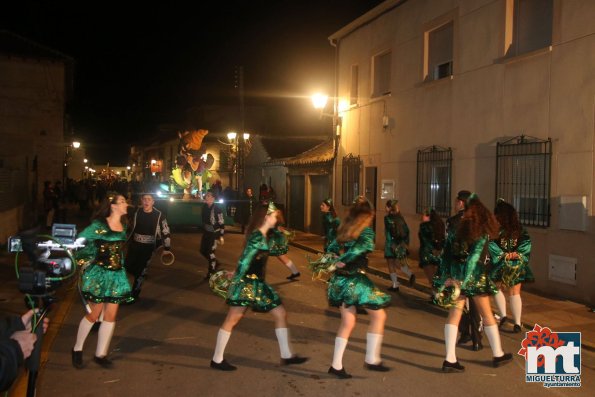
<point>51,260</point>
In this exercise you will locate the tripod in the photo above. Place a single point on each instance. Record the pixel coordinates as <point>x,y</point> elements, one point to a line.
<point>32,363</point>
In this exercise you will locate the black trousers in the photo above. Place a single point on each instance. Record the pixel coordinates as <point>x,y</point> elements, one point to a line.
<point>470,321</point>
<point>208,246</point>
<point>137,262</point>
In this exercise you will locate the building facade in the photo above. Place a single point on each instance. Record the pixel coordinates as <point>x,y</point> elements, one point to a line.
<point>493,96</point>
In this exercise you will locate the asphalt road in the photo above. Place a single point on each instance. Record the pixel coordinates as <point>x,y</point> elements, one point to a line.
<point>162,345</point>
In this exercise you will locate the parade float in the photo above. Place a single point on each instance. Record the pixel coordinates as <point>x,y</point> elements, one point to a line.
<point>189,181</point>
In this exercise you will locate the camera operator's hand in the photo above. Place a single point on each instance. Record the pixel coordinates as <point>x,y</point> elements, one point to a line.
<point>26,341</point>
<point>27,317</point>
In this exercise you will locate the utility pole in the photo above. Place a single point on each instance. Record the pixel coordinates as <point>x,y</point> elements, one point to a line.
<point>241,141</point>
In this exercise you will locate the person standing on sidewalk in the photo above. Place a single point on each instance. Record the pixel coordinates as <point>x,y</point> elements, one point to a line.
<point>510,254</point>
<point>149,231</point>
<point>464,265</point>
<point>248,289</point>
<point>330,222</point>
<point>278,238</point>
<point>213,228</point>
<point>396,234</point>
<point>103,283</point>
<point>349,288</point>
<point>431,242</point>
<point>470,324</point>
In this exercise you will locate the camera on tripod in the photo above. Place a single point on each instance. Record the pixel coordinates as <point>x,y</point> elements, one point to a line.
<point>51,260</point>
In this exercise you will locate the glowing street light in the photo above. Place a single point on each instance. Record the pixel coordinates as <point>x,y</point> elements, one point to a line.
<point>231,135</point>
<point>319,101</point>
<point>76,144</point>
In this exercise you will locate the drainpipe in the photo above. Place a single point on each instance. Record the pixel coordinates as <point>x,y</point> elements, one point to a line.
<point>335,43</point>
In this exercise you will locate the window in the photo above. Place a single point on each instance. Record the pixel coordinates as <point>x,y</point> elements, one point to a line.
<point>440,52</point>
<point>529,25</point>
<point>381,78</point>
<point>434,170</point>
<point>351,171</point>
<point>354,93</point>
<point>523,172</point>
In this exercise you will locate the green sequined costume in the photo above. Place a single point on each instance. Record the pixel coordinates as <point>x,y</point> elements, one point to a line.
<point>430,249</point>
<point>329,225</point>
<point>511,272</point>
<point>466,263</point>
<point>396,234</point>
<point>350,285</point>
<point>104,279</point>
<point>278,242</point>
<point>248,287</point>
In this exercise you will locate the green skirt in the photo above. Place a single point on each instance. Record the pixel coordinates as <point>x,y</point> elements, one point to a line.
<point>355,290</point>
<point>253,293</point>
<point>100,285</point>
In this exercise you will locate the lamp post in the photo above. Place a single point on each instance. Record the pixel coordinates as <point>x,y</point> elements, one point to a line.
<point>67,157</point>
<point>238,151</point>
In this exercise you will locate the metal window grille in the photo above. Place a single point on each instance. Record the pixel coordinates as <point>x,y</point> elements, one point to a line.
<point>523,177</point>
<point>434,175</point>
<point>351,173</point>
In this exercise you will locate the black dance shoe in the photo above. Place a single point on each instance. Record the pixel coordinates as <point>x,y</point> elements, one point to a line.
<point>294,360</point>
<point>294,276</point>
<point>503,359</point>
<point>77,359</point>
<point>464,339</point>
<point>447,366</point>
<point>223,366</point>
<point>376,367</point>
<point>503,321</point>
<point>103,361</point>
<point>477,347</point>
<point>339,373</point>
<point>393,289</point>
<point>517,328</point>
<point>412,280</point>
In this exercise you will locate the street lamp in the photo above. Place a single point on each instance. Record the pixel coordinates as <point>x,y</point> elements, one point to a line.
<point>319,102</point>
<point>238,150</point>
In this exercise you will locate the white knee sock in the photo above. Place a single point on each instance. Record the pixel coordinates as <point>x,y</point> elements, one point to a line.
<point>340,345</point>
<point>222,339</point>
<point>373,344</point>
<point>516,307</point>
<point>292,267</point>
<point>393,277</point>
<point>493,335</point>
<point>405,269</point>
<point>450,340</point>
<point>283,339</point>
<point>500,300</point>
<point>84,329</point>
<point>104,337</point>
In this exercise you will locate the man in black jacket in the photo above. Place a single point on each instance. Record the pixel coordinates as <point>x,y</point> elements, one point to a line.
<point>213,225</point>
<point>149,230</point>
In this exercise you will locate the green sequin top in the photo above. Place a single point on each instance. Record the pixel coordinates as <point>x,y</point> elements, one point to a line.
<point>430,249</point>
<point>466,263</point>
<point>278,242</point>
<point>511,271</point>
<point>103,247</point>
<point>396,234</point>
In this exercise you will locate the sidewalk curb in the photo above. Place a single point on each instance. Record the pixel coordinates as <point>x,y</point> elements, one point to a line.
<point>423,288</point>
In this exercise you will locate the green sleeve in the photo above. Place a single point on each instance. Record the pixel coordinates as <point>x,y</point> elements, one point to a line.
<point>85,255</point>
<point>256,242</point>
<point>496,252</point>
<point>388,230</point>
<point>363,244</point>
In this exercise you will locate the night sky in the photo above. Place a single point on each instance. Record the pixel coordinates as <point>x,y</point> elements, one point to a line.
<point>139,66</point>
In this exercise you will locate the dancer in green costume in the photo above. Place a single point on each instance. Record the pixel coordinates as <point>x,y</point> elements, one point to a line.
<point>349,288</point>
<point>104,283</point>
<point>249,290</point>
